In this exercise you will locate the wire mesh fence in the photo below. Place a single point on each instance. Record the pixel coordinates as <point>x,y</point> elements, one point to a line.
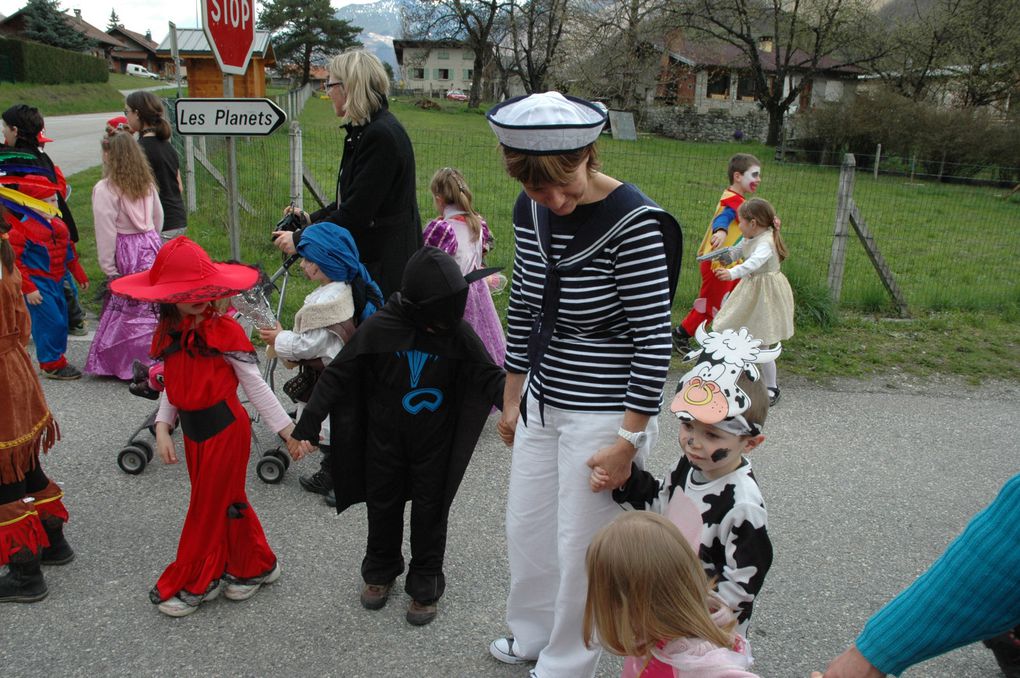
<point>947,244</point>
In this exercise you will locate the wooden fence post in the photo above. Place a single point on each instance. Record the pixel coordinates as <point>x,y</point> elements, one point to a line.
<point>878,158</point>
<point>297,194</point>
<point>841,233</point>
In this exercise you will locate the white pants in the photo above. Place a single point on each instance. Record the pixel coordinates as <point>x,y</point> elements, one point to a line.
<point>551,517</point>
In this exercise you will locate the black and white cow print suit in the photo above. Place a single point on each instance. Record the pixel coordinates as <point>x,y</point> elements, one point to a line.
<point>735,546</point>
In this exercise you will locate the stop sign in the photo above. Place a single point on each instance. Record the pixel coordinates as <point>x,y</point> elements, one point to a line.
<point>229,27</point>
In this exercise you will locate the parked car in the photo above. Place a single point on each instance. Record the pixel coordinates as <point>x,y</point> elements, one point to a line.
<point>141,72</point>
<point>456,95</point>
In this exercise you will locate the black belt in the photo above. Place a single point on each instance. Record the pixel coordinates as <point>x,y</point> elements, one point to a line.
<point>201,425</point>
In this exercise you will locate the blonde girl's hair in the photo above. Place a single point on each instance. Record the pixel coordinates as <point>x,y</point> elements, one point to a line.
<point>449,185</point>
<point>646,585</point>
<point>543,170</point>
<point>761,212</point>
<point>126,166</point>
<point>364,80</point>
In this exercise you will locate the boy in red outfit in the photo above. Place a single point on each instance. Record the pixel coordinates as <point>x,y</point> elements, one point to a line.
<point>44,254</point>
<point>744,174</point>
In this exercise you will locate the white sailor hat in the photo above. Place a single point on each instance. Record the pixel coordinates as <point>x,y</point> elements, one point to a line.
<point>546,124</point>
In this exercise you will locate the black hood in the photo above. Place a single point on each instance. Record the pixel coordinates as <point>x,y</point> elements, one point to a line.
<point>433,291</point>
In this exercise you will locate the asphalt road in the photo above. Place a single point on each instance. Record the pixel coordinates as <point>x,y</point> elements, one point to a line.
<point>75,145</point>
<point>865,485</point>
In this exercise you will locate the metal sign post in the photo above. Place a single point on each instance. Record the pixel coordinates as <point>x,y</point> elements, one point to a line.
<point>233,213</point>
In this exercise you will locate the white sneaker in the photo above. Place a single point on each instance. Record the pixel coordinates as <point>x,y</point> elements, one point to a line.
<point>503,650</point>
<point>176,607</point>
<point>244,591</point>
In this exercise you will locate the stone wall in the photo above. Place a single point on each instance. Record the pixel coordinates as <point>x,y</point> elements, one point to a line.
<point>683,122</point>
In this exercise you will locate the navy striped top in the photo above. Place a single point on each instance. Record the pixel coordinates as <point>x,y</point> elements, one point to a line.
<point>611,346</point>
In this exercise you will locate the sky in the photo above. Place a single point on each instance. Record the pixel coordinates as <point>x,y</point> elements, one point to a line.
<point>139,16</point>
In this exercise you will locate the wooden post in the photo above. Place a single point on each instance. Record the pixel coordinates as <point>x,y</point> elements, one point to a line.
<point>233,216</point>
<point>840,235</point>
<point>878,159</point>
<point>877,260</point>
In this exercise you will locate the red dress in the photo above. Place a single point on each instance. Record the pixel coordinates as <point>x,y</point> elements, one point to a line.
<point>221,534</point>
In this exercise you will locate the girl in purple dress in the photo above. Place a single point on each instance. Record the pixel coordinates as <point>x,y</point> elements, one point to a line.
<point>128,220</point>
<point>462,233</point>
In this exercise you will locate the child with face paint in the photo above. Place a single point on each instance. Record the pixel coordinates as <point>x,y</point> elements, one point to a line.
<point>722,405</point>
<point>744,174</point>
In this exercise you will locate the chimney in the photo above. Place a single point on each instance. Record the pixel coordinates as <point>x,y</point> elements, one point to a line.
<point>77,13</point>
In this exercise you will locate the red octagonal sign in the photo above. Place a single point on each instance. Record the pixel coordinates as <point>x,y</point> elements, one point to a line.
<point>229,27</point>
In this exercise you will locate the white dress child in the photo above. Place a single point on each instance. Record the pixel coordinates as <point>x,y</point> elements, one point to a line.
<point>763,301</point>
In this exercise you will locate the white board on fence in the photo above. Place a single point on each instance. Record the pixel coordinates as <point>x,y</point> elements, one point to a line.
<point>622,124</point>
<point>229,117</point>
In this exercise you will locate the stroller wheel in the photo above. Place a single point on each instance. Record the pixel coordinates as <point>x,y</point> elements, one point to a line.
<point>132,460</point>
<point>279,454</point>
<point>270,469</point>
<point>144,447</point>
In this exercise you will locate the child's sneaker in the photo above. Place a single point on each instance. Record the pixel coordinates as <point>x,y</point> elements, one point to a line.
<point>79,330</point>
<point>773,395</point>
<point>243,589</point>
<point>66,373</point>
<point>177,607</point>
<point>503,650</point>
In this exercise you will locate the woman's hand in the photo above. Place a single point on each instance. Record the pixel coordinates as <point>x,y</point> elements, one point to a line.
<point>613,464</point>
<point>723,274</point>
<point>33,298</point>
<point>851,664</point>
<point>298,448</point>
<point>284,241</point>
<point>269,336</point>
<point>718,237</point>
<point>290,209</point>
<point>507,424</point>
<point>165,443</point>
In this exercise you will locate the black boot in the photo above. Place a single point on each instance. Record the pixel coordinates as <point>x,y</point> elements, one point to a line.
<point>24,582</point>
<point>1006,649</point>
<point>59,552</point>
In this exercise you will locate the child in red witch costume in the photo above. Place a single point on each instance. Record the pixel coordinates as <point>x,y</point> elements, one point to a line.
<point>205,356</point>
<point>32,511</point>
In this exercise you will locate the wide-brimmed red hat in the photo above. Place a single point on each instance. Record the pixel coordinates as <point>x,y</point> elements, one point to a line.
<point>184,274</point>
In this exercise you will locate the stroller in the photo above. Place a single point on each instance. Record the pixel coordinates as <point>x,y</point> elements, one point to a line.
<point>253,308</point>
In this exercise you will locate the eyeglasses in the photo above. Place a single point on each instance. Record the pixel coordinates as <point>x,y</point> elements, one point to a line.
<point>327,85</point>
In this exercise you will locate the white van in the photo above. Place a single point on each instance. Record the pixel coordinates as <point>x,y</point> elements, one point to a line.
<point>141,71</point>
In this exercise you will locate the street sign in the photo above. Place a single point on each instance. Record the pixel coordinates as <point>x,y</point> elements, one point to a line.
<point>229,26</point>
<point>228,117</point>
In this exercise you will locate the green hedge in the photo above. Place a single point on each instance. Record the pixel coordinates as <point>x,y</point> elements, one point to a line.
<point>22,61</point>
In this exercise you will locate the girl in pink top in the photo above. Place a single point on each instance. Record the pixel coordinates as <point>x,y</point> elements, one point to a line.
<point>649,600</point>
<point>462,233</point>
<point>128,220</point>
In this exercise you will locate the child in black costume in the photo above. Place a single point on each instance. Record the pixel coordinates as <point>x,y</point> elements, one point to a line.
<point>407,399</point>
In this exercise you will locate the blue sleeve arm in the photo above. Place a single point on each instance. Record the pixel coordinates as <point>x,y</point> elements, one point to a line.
<point>723,221</point>
<point>970,593</point>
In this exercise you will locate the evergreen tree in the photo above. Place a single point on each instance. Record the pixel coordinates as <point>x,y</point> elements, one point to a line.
<point>114,20</point>
<point>306,31</point>
<point>45,23</point>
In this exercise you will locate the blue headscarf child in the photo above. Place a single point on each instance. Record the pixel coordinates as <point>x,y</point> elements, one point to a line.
<point>332,249</point>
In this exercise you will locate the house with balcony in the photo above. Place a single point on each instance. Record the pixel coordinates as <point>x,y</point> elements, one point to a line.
<point>434,67</point>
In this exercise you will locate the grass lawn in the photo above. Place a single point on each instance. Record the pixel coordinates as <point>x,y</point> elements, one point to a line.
<point>64,99</point>
<point>944,243</point>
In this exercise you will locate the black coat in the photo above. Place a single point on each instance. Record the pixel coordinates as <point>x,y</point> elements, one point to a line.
<point>376,198</point>
<point>345,389</point>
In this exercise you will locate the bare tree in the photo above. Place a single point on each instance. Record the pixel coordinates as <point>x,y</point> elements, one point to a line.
<point>987,52</point>
<point>467,21</point>
<point>611,50</point>
<point>534,33</point>
<point>808,36</point>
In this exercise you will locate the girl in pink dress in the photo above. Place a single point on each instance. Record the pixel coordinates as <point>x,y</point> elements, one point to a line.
<point>649,600</point>
<point>463,234</point>
<point>128,220</point>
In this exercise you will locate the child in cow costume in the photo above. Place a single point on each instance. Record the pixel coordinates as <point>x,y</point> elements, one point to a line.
<point>407,399</point>
<point>722,405</point>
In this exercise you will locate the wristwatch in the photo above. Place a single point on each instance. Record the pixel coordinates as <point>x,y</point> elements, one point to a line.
<point>635,439</point>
